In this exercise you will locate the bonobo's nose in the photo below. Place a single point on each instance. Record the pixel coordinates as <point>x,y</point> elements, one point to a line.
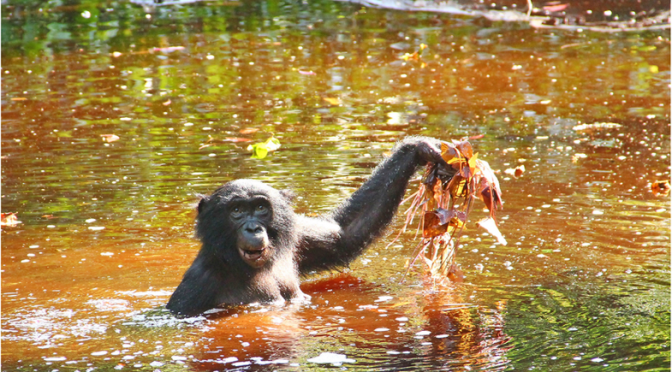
<point>253,228</point>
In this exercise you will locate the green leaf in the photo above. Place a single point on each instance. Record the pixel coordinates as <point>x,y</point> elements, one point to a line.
<point>261,150</point>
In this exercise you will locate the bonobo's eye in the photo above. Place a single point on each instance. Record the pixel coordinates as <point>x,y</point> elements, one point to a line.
<point>237,212</point>
<point>261,209</point>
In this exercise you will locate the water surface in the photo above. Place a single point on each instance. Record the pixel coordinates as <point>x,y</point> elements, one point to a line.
<point>107,227</point>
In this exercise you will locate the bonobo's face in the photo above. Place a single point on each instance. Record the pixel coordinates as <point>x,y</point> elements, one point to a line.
<point>250,217</point>
<point>246,219</point>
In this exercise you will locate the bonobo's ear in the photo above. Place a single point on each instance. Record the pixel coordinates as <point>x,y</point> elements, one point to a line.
<point>202,202</point>
<point>288,194</point>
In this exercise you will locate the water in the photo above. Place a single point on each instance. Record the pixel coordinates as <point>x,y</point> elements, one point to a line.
<point>107,227</point>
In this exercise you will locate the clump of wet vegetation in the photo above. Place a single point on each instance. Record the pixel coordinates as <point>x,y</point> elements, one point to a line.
<point>444,199</point>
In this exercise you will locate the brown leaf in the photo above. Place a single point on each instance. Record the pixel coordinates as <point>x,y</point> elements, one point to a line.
<point>436,223</point>
<point>489,188</point>
<point>429,192</point>
<point>465,148</point>
<point>438,191</point>
<point>9,219</point>
<point>487,173</point>
<point>455,274</point>
<point>432,227</point>
<point>465,171</point>
<point>516,172</point>
<point>660,187</point>
<point>248,130</point>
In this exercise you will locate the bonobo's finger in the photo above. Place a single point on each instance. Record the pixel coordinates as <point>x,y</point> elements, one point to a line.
<point>429,150</point>
<point>445,171</point>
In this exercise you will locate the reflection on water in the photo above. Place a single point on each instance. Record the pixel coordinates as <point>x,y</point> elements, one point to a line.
<point>107,227</point>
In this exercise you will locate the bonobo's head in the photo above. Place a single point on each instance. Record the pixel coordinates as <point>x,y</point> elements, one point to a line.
<point>247,220</point>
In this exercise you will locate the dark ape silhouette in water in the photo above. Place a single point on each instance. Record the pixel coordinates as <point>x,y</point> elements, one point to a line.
<point>255,247</point>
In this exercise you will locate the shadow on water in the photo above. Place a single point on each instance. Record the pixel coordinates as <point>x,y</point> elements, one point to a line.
<point>106,226</point>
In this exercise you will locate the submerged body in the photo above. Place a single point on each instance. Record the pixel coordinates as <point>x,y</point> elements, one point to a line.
<point>255,248</point>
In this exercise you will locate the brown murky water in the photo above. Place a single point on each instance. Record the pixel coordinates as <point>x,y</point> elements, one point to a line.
<point>106,231</point>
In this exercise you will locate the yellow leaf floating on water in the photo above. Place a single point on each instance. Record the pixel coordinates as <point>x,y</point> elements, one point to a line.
<point>333,101</point>
<point>261,150</point>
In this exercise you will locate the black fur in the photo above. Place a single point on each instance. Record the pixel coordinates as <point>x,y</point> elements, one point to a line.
<point>230,269</point>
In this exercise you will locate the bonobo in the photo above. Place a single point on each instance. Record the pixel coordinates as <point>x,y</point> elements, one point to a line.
<point>255,247</point>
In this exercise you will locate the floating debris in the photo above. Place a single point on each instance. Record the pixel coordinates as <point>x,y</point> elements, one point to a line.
<point>660,187</point>
<point>9,219</point>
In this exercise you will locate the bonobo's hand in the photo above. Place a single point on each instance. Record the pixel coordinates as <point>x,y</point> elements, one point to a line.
<point>428,150</point>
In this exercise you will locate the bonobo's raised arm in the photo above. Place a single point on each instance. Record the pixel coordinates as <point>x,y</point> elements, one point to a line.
<point>337,239</point>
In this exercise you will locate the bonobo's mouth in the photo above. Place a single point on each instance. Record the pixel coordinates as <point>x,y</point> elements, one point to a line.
<point>255,257</point>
